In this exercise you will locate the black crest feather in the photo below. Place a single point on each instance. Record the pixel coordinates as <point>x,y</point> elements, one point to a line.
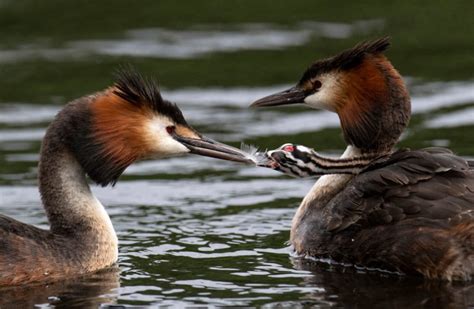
<point>347,59</point>
<point>134,88</point>
<point>74,127</point>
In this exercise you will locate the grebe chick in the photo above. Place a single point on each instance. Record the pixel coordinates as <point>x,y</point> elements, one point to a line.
<point>406,211</point>
<point>98,135</point>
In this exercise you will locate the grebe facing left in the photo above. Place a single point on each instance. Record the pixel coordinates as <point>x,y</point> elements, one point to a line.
<point>99,136</point>
<point>406,211</point>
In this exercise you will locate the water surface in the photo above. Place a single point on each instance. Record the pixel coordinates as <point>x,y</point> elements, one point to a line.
<point>194,231</point>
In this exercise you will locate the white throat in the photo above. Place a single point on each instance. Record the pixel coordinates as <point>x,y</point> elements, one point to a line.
<point>325,97</point>
<point>71,206</point>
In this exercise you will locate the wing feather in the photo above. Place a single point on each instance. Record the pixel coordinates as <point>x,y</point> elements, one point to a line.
<point>430,183</point>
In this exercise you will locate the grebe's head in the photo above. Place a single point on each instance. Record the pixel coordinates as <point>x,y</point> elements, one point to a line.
<point>362,87</point>
<point>130,121</point>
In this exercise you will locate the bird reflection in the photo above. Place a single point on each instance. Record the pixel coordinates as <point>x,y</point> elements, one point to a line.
<point>88,291</point>
<point>344,286</point>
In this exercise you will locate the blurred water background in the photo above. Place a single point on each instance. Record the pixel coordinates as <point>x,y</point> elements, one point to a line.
<point>194,231</point>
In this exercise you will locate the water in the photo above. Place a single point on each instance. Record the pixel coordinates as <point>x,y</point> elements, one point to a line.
<point>194,231</point>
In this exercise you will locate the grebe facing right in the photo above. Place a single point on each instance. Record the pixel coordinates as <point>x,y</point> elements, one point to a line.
<point>406,211</point>
<point>98,135</point>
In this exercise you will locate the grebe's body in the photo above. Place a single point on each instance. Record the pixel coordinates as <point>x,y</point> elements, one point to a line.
<point>409,212</point>
<point>99,136</point>
<point>405,211</point>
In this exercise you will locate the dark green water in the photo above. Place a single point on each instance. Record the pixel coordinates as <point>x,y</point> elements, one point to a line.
<point>194,231</point>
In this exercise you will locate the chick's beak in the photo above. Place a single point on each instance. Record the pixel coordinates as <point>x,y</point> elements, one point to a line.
<point>291,96</point>
<point>207,147</point>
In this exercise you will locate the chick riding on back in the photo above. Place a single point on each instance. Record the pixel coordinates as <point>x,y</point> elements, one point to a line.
<point>403,211</point>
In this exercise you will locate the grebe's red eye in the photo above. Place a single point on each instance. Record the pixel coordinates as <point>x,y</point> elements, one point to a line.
<point>170,129</point>
<point>289,148</point>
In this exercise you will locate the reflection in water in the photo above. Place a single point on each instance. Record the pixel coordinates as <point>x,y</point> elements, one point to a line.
<point>345,287</point>
<point>89,291</point>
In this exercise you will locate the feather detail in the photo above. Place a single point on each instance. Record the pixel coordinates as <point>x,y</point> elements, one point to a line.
<point>258,157</point>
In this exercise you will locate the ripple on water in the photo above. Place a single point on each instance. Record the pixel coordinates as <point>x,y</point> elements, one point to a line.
<point>453,119</point>
<point>204,231</point>
<point>192,43</point>
<point>204,106</point>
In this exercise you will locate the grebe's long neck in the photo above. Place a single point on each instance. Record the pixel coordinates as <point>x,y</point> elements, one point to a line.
<point>72,209</point>
<point>325,188</point>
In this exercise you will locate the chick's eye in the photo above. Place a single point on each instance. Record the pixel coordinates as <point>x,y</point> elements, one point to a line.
<point>170,129</point>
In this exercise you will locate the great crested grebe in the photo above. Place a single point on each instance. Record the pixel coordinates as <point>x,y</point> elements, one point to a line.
<point>97,135</point>
<point>407,211</point>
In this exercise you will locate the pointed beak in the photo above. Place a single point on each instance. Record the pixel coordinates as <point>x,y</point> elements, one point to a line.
<point>211,148</point>
<point>291,96</point>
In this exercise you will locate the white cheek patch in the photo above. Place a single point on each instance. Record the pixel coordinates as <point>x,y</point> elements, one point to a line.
<point>319,100</point>
<point>161,143</point>
<point>324,98</point>
<point>169,147</point>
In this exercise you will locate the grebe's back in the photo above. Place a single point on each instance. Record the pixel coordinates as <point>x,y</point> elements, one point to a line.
<point>408,211</point>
